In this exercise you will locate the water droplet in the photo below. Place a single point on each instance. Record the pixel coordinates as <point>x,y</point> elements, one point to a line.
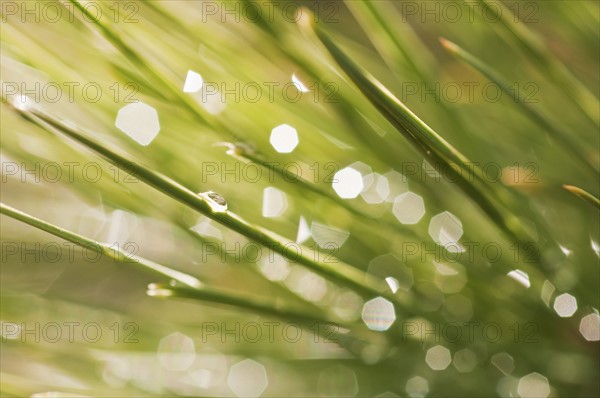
<point>216,202</point>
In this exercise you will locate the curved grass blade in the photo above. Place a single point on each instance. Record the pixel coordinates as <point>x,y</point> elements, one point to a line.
<point>439,152</point>
<point>195,289</point>
<point>339,272</point>
<point>538,115</point>
<point>150,73</point>
<point>398,43</point>
<point>241,153</point>
<point>102,248</point>
<point>310,321</point>
<point>583,194</point>
<point>235,299</point>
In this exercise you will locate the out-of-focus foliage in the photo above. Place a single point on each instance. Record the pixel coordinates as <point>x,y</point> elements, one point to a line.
<point>258,111</point>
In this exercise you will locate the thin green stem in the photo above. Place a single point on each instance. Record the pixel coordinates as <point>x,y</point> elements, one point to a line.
<point>150,73</point>
<point>244,301</point>
<point>243,154</point>
<point>379,20</point>
<point>440,153</point>
<point>338,271</point>
<point>583,194</point>
<point>309,321</point>
<point>107,250</point>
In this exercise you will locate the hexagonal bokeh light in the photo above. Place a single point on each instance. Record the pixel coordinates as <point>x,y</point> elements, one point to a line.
<point>438,357</point>
<point>417,387</point>
<point>446,229</point>
<point>139,121</point>
<point>284,138</point>
<point>378,314</point>
<point>348,183</point>
<point>589,327</point>
<point>274,202</point>
<point>376,188</point>
<point>247,378</point>
<point>408,208</point>
<point>565,305</point>
<point>534,385</point>
<point>176,352</point>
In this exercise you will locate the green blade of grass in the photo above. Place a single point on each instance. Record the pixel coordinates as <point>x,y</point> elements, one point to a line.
<point>434,148</point>
<point>150,73</point>
<point>396,43</point>
<point>239,300</point>
<point>583,194</point>
<point>239,152</point>
<point>309,321</point>
<point>537,114</point>
<point>339,272</point>
<point>534,47</point>
<point>104,249</point>
<point>196,288</point>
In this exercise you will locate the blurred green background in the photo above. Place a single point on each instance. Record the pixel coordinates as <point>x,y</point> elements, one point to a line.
<point>143,52</point>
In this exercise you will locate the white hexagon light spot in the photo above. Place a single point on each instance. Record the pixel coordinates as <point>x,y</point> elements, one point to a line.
<point>565,305</point>
<point>417,387</point>
<point>408,208</point>
<point>534,385</point>
<point>438,357</point>
<point>378,314</point>
<point>274,202</point>
<point>139,121</point>
<point>376,188</point>
<point>446,229</point>
<point>589,327</point>
<point>247,378</point>
<point>284,138</point>
<point>348,183</point>
<point>176,352</point>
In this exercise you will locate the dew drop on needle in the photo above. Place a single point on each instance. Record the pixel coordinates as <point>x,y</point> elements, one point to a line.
<point>216,202</point>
